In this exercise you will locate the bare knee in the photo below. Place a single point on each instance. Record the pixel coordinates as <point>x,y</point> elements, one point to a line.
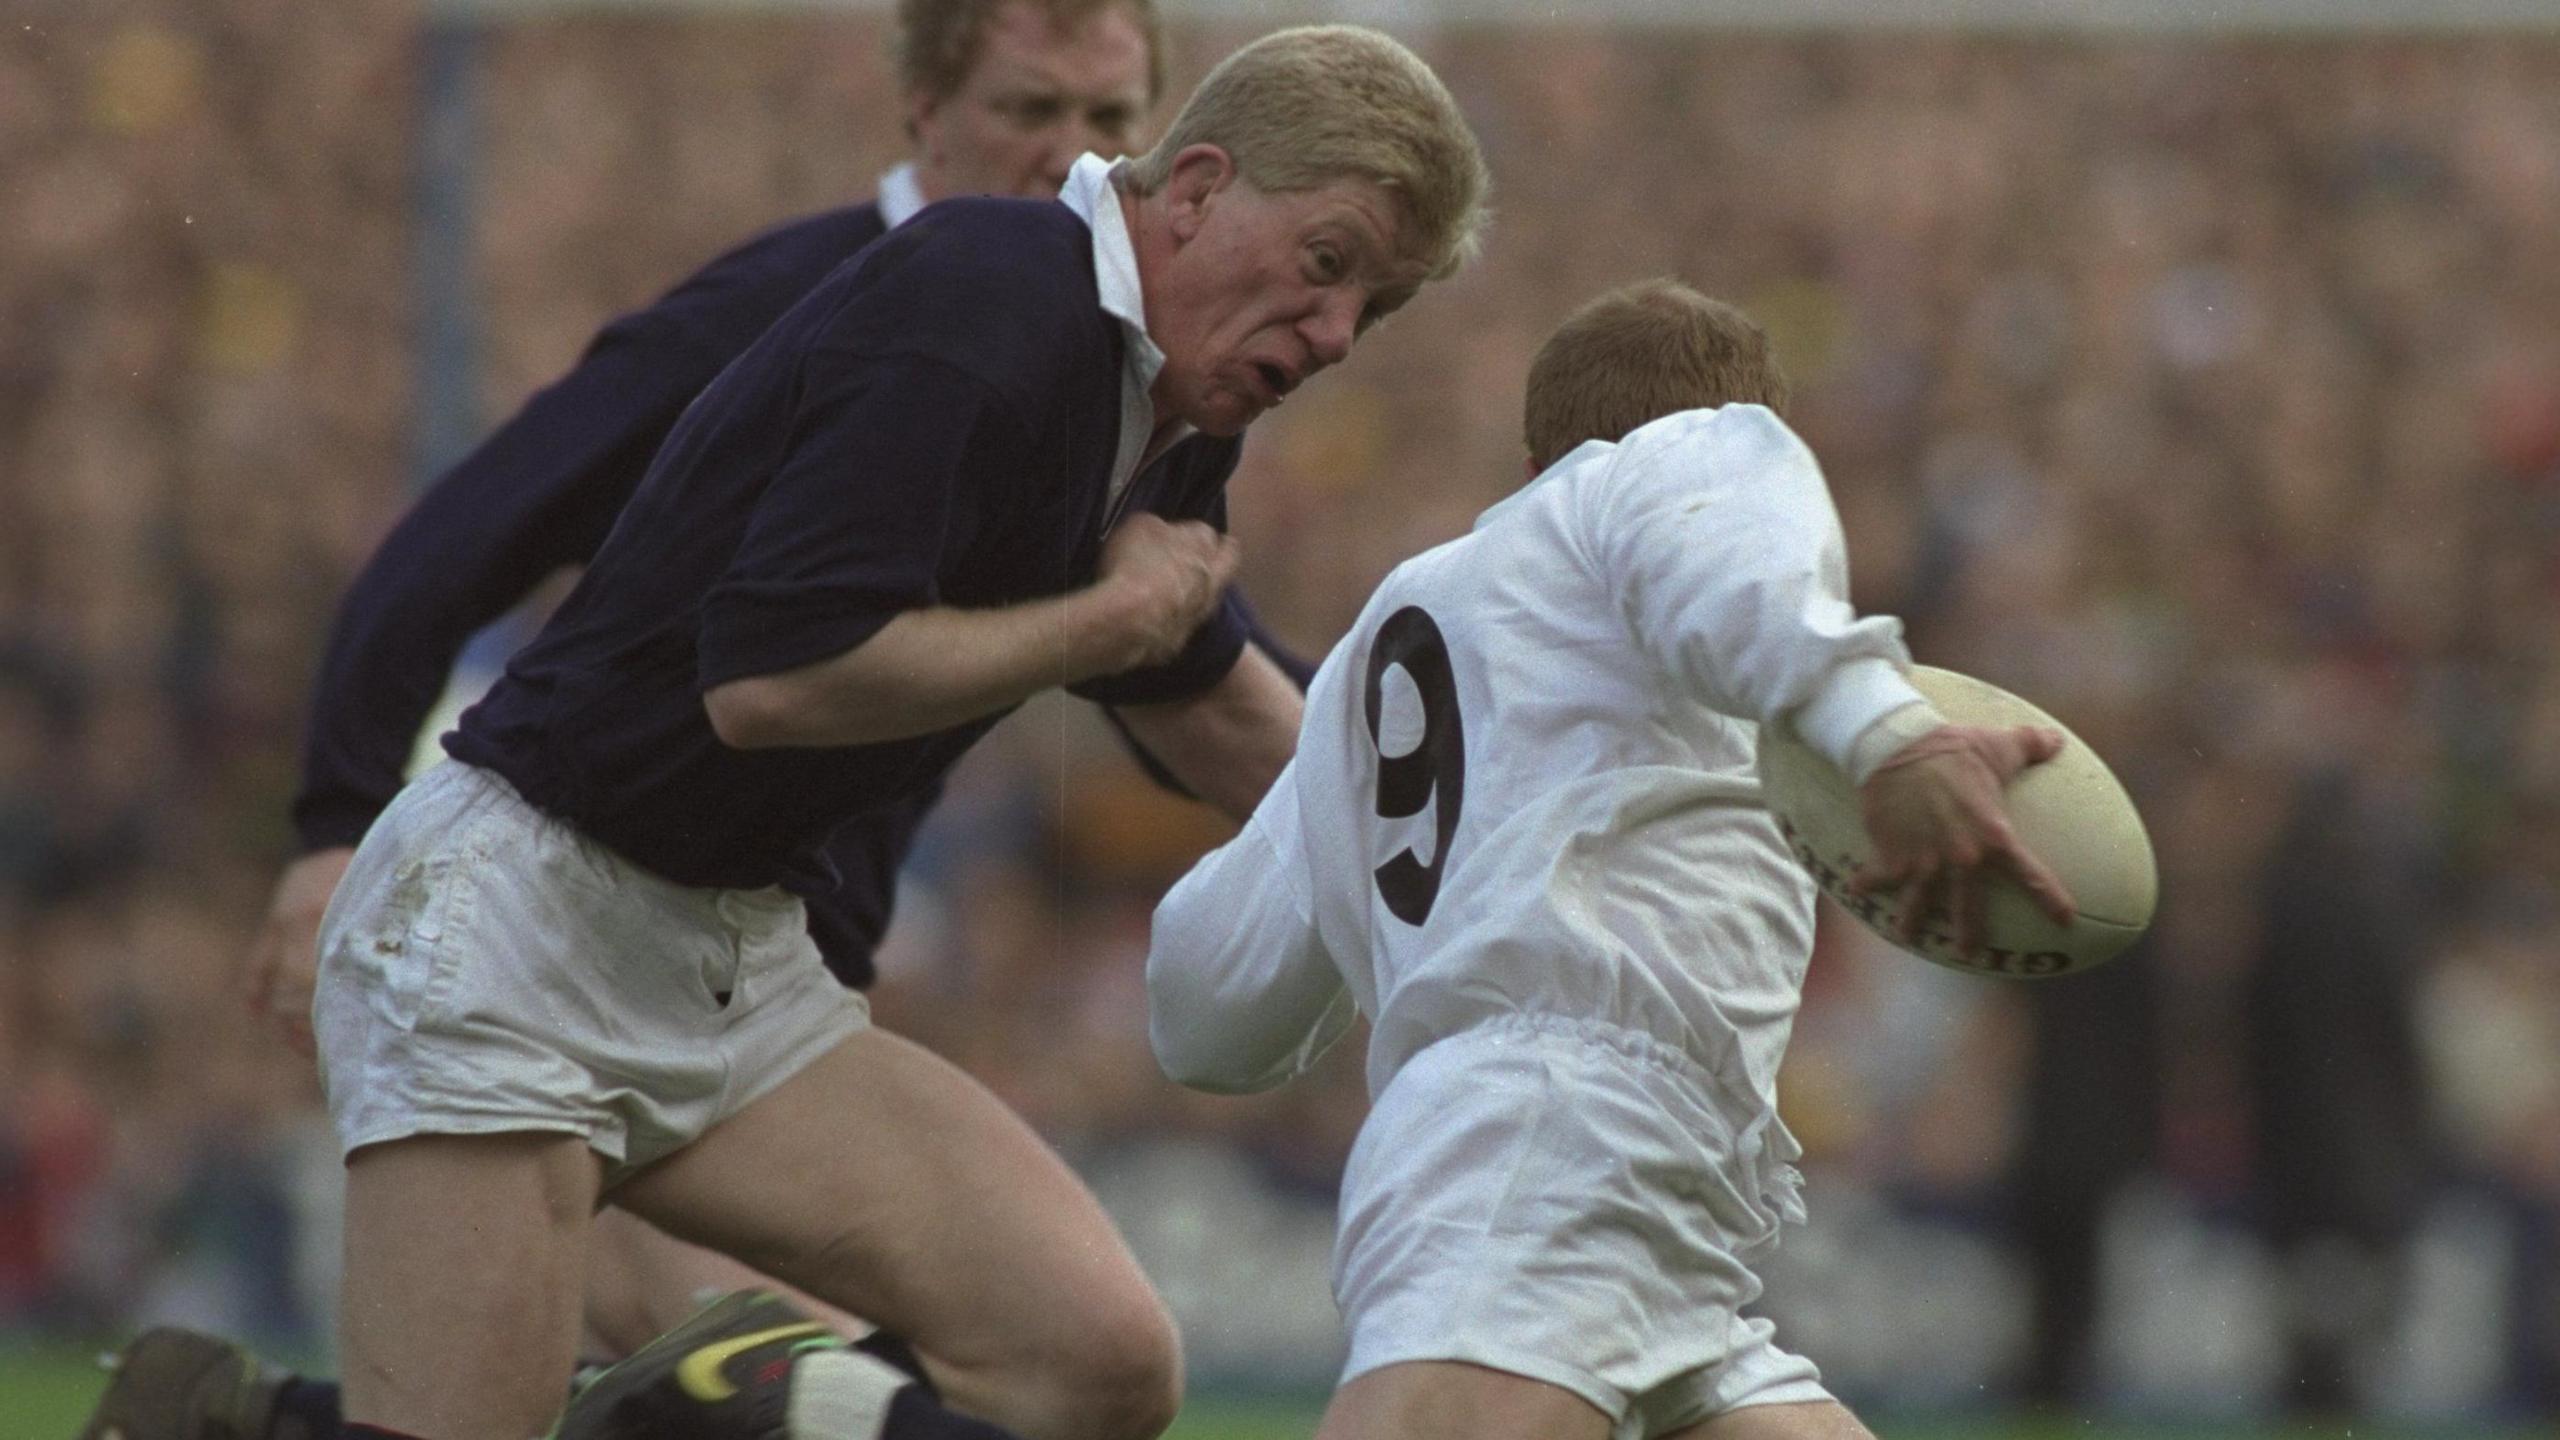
<point>1104,1373</point>
<point>1121,1378</point>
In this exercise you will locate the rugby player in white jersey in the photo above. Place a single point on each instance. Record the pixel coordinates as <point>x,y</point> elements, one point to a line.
<point>1523,834</point>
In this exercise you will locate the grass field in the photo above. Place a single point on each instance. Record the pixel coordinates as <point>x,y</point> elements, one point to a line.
<point>45,1394</point>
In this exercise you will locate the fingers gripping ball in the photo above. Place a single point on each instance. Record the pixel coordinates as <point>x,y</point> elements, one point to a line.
<point>2071,811</point>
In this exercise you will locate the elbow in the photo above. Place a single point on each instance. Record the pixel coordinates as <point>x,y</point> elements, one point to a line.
<point>1170,1031</point>
<point>749,714</point>
<point>1191,1049</point>
<point>1195,1066</point>
<point>1177,1060</point>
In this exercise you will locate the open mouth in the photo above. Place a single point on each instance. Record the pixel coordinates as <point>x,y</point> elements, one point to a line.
<point>1274,379</point>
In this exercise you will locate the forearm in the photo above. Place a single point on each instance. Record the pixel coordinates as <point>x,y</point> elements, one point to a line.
<point>1227,744</point>
<point>925,670</point>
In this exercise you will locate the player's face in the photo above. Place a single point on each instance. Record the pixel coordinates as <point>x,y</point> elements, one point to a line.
<point>1264,290</point>
<point>1038,97</point>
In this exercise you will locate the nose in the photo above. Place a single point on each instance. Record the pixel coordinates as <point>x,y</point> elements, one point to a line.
<point>1331,329</point>
<point>1082,134</point>
<point>1072,138</point>
<point>1058,157</point>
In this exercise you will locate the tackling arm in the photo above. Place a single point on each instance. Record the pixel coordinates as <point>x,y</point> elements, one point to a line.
<point>1227,744</point>
<point>536,496</point>
<point>938,666</point>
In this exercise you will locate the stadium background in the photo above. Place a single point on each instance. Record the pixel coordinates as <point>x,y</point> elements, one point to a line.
<point>2193,370</point>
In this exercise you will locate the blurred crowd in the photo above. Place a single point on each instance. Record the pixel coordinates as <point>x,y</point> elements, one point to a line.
<point>2204,389</point>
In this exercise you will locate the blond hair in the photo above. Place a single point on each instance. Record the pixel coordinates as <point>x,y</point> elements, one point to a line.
<point>938,41</point>
<point>1637,354</point>
<point>1309,107</point>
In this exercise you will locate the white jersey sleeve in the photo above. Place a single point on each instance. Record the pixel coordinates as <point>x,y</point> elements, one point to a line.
<point>1241,993</point>
<point>1714,529</point>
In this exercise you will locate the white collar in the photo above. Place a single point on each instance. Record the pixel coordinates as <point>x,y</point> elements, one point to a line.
<point>1587,450</point>
<point>1092,193</point>
<point>901,196</point>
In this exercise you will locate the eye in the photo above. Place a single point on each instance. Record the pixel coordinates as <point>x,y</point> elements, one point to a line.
<point>1112,120</point>
<point>1033,112</point>
<point>1325,264</point>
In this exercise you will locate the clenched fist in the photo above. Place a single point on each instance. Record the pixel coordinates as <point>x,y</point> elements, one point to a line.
<point>1167,576</point>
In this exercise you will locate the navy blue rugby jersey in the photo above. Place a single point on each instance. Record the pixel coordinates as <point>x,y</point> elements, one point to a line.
<point>934,424</point>
<point>538,496</point>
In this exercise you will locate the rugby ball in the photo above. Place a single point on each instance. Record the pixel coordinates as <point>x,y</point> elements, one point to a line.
<point>2071,811</point>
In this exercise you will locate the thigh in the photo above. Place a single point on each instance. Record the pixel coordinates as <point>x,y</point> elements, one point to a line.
<point>459,1310</point>
<point>886,1182</point>
<point>643,1282</point>
<point>1449,1400</point>
<point>1817,1420</point>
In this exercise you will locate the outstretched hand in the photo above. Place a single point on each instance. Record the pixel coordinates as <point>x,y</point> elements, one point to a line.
<point>1939,821</point>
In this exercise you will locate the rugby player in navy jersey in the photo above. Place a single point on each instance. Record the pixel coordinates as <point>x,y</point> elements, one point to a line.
<point>985,459</point>
<point>1002,96</point>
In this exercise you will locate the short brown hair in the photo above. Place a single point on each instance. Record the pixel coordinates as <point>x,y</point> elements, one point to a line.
<point>1305,108</point>
<point>939,40</point>
<point>1637,354</point>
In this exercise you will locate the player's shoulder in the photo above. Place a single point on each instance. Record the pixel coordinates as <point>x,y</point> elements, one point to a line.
<point>1664,460</point>
<point>1741,429</point>
<point>1430,576</point>
<point>1004,288</point>
<point>721,308</point>
<point>1032,256</point>
<point>823,240</point>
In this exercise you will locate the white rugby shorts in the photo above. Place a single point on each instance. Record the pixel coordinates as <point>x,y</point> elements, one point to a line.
<point>485,968</point>
<point>1573,1202</point>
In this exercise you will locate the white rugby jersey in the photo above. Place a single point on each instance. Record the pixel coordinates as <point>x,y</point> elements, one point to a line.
<point>1526,780</point>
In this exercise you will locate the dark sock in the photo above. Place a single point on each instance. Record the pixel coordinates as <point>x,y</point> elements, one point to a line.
<point>899,1353</point>
<point>307,1410</point>
<point>917,1415</point>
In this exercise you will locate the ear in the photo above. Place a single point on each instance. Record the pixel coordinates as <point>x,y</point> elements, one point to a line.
<point>1200,174</point>
<point>920,110</point>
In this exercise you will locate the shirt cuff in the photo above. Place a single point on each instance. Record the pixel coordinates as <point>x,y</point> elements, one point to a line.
<point>1888,737</point>
<point>1855,695</point>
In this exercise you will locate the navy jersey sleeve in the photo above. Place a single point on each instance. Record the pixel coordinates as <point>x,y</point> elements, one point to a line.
<point>1300,670</point>
<point>1205,660</point>
<point>1295,666</point>
<point>875,490</point>
<point>538,495</point>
